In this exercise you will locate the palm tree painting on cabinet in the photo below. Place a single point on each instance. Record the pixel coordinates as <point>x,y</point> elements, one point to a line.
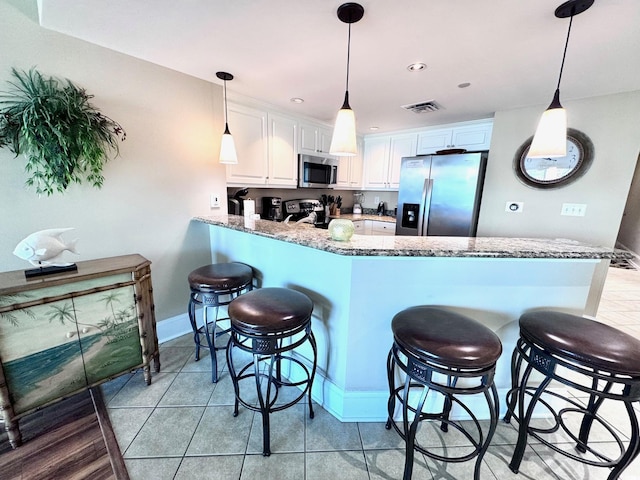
<point>55,349</point>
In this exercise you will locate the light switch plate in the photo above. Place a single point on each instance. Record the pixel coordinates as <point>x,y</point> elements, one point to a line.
<point>215,200</point>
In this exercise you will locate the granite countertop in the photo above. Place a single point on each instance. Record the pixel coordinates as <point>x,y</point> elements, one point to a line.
<point>403,246</point>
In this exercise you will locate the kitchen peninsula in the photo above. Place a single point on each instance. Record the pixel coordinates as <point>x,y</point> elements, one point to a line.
<point>358,286</point>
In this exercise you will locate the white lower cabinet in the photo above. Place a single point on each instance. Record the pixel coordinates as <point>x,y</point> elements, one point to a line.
<point>374,227</point>
<point>382,228</point>
<point>361,227</point>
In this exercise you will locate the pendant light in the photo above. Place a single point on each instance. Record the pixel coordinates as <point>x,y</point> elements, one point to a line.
<point>227,146</point>
<point>343,141</point>
<point>550,139</point>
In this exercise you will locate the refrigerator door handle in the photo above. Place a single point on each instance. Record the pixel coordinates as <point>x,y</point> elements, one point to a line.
<point>425,207</point>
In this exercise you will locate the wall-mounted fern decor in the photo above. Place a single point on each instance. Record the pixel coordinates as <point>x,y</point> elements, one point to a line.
<point>64,138</point>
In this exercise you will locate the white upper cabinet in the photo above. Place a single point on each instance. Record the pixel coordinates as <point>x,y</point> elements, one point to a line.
<point>401,146</point>
<point>283,150</point>
<point>383,157</point>
<point>376,163</point>
<point>249,129</point>
<point>469,137</point>
<point>314,139</point>
<point>350,169</point>
<point>267,146</point>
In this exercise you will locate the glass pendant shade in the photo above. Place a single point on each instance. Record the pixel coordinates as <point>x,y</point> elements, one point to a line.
<point>343,141</point>
<point>550,139</point>
<point>228,154</point>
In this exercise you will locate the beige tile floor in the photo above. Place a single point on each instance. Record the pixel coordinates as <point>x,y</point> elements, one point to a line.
<point>182,427</point>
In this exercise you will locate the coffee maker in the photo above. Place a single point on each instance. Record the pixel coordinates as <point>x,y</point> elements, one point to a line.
<point>235,204</point>
<point>271,209</point>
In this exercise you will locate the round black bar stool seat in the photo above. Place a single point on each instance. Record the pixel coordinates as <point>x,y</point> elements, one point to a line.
<point>441,356</point>
<point>587,356</point>
<point>213,286</point>
<point>269,324</point>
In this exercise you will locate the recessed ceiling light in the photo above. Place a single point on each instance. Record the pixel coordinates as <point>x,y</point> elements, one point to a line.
<point>374,128</point>
<point>415,67</point>
<point>297,100</point>
<point>464,85</point>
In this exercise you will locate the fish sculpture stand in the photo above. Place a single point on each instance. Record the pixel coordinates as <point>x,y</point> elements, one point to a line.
<point>43,250</point>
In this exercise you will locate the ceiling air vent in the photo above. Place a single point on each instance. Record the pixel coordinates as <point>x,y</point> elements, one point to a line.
<point>423,107</point>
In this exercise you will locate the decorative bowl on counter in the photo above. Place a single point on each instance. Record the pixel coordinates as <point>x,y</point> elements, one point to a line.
<point>341,229</point>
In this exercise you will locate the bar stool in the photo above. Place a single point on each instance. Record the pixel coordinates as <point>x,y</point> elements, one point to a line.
<point>442,355</point>
<point>587,356</point>
<point>215,285</point>
<point>269,324</point>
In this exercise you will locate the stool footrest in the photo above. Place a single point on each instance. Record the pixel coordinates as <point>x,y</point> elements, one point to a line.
<point>270,324</point>
<point>417,394</point>
<point>523,400</point>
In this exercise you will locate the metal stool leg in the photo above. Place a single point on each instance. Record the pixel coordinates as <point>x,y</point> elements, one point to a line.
<point>413,428</point>
<point>448,403</point>
<point>211,338</point>
<point>232,374</point>
<point>192,318</point>
<point>634,445</point>
<point>265,403</point>
<point>391,404</point>
<point>314,347</point>
<point>592,408</point>
<point>494,411</point>
<point>524,419</point>
<point>512,397</point>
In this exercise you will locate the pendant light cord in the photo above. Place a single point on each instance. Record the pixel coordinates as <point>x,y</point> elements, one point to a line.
<point>348,57</point>
<point>564,55</point>
<point>226,116</point>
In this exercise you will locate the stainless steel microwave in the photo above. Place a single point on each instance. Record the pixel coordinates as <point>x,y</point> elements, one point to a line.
<point>317,172</point>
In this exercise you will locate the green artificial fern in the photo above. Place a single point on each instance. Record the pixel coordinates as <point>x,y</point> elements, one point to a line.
<point>64,138</point>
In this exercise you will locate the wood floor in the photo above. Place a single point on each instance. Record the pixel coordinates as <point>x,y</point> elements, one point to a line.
<point>70,440</point>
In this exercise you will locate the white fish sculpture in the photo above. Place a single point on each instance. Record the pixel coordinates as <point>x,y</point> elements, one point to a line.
<point>43,247</point>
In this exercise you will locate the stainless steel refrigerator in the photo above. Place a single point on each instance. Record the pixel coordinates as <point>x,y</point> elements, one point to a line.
<point>440,194</point>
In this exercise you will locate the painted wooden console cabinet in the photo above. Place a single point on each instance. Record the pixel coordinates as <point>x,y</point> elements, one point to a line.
<point>63,333</point>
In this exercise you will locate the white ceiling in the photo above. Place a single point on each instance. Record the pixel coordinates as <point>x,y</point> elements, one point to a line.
<point>509,50</point>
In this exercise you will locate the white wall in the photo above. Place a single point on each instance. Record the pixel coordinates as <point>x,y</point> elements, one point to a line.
<point>613,124</point>
<point>629,234</point>
<point>165,172</point>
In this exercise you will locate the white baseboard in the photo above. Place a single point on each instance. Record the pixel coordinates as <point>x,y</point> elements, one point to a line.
<point>346,406</point>
<point>173,327</point>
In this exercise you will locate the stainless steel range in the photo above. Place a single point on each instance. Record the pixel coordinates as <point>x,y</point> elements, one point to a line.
<point>305,211</point>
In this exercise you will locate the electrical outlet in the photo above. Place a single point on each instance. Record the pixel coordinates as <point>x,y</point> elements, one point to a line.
<point>215,200</point>
<point>573,209</point>
<point>514,207</point>
<point>376,200</point>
